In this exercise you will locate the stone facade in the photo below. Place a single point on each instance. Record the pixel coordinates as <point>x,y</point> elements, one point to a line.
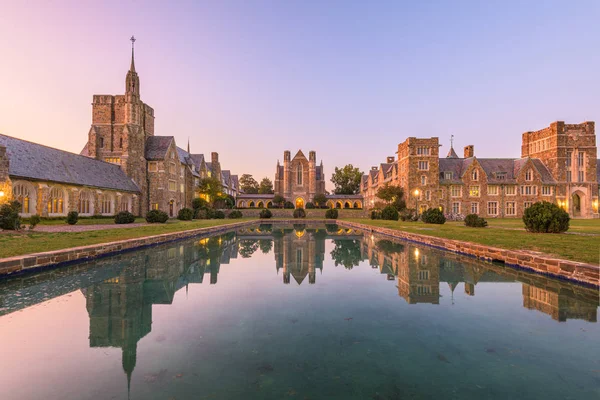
<point>299,178</point>
<point>559,164</point>
<point>5,184</point>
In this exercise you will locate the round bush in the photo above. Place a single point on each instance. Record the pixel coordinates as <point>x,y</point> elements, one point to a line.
<point>310,205</point>
<point>409,214</point>
<point>185,214</point>
<point>235,214</point>
<point>288,205</point>
<point>390,213</point>
<point>299,213</point>
<point>9,216</point>
<point>265,213</point>
<point>34,220</point>
<point>157,216</point>
<point>201,213</point>
<point>375,214</point>
<point>475,221</point>
<point>72,217</point>
<point>218,214</point>
<point>545,217</point>
<point>332,213</point>
<point>433,216</point>
<point>124,217</point>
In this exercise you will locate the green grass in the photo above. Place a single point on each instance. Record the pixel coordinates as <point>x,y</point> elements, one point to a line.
<point>27,242</point>
<point>509,234</point>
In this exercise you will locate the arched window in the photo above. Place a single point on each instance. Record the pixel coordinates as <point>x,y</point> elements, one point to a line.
<point>56,201</point>
<point>251,205</point>
<point>86,203</point>
<point>106,204</point>
<point>125,204</point>
<point>101,142</point>
<point>25,195</point>
<point>423,180</point>
<point>299,174</point>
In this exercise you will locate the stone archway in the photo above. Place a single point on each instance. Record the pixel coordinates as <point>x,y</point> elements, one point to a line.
<point>578,204</point>
<point>299,202</point>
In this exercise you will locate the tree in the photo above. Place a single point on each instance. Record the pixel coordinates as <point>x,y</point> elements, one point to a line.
<point>320,199</point>
<point>278,200</point>
<point>211,187</point>
<point>266,186</point>
<point>248,184</point>
<point>392,195</point>
<point>347,180</point>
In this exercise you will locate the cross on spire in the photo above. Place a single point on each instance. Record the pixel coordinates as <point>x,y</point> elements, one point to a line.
<point>132,68</point>
<point>451,141</point>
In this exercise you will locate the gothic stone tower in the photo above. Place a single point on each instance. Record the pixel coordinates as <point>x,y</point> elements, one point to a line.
<point>120,126</point>
<point>570,153</point>
<point>418,164</point>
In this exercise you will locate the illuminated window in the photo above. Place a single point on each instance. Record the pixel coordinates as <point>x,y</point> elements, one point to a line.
<point>22,195</point>
<point>154,206</point>
<point>113,160</point>
<point>56,201</point>
<point>172,186</point>
<point>152,167</point>
<point>493,190</point>
<point>474,191</point>
<point>510,190</point>
<point>85,203</point>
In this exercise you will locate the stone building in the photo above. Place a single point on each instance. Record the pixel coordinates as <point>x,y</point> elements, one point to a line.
<point>123,166</point>
<point>558,164</point>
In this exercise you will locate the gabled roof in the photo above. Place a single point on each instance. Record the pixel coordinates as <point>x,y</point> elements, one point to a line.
<point>299,154</point>
<point>373,173</point>
<point>509,167</point>
<point>157,146</point>
<point>491,167</point>
<point>197,159</point>
<point>34,161</point>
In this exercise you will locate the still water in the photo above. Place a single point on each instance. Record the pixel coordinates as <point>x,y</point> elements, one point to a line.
<point>296,312</point>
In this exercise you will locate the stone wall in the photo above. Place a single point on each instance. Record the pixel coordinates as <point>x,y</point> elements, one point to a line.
<point>529,260</point>
<point>5,184</point>
<point>312,213</point>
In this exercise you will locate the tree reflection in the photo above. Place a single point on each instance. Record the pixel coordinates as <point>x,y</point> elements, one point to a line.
<point>248,247</point>
<point>347,253</point>
<point>266,245</point>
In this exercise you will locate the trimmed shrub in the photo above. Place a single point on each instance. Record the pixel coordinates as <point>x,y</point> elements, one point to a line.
<point>72,217</point>
<point>157,216</point>
<point>201,213</point>
<point>185,214</point>
<point>545,217</point>
<point>332,213</point>
<point>299,213</point>
<point>375,214</point>
<point>235,214</point>
<point>218,214</point>
<point>265,213</point>
<point>409,214</point>
<point>475,221</point>
<point>9,216</point>
<point>124,217</point>
<point>33,221</point>
<point>288,205</point>
<point>433,216</point>
<point>390,213</point>
<point>310,205</point>
<point>198,203</point>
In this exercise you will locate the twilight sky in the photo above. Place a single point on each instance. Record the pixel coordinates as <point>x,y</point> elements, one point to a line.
<point>348,79</point>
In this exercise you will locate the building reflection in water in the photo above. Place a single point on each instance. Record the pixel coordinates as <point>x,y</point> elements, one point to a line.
<point>120,291</point>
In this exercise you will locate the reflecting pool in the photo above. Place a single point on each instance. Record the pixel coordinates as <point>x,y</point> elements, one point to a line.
<point>296,312</point>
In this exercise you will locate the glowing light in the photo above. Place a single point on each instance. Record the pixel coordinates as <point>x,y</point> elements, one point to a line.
<point>416,192</point>
<point>1,193</point>
<point>417,253</point>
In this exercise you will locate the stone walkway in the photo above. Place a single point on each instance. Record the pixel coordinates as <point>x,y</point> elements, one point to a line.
<point>75,228</point>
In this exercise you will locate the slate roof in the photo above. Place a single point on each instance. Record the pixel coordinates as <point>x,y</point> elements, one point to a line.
<point>491,166</point>
<point>451,153</point>
<point>157,146</point>
<point>37,162</point>
<point>197,159</point>
<point>235,181</point>
<point>598,170</point>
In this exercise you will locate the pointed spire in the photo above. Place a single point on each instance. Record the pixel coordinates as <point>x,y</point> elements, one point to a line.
<point>451,152</point>
<point>132,67</point>
<point>189,145</point>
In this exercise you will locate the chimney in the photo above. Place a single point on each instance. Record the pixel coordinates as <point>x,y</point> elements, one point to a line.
<point>390,159</point>
<point>216,166</point>
<point>469,151</point>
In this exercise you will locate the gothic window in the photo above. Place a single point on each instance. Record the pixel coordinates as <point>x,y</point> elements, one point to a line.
<point>529,175</point>
<point>474,175</point>
<point>121,143</point>
<point>22,194</point>
<point>106,204</point>
<point>85,203</point>
<point>299,174</point>
<point>423,180</point>
<point>101,142</point>
<point>124,204</point>
<point>56,202</point>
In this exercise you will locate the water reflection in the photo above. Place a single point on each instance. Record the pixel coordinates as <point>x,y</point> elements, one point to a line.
<point>120,291</point>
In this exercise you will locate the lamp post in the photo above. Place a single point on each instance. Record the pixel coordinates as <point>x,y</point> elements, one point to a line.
<point>417,200</point>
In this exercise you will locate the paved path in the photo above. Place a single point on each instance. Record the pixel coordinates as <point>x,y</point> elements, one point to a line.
<point>76,228</point>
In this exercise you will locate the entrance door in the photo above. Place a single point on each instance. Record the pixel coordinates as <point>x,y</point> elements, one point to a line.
<point>576,205</point>
<point>299,202</point>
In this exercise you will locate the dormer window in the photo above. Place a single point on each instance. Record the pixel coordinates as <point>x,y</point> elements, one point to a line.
<point>474,175</point>
<point>448,175</point>
<point>501,176</point>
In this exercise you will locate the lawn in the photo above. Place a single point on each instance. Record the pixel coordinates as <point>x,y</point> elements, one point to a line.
<point>582,243</point>
<point>26,242</point>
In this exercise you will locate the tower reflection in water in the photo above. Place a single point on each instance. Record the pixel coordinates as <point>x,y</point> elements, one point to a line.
<point>120,291</point>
